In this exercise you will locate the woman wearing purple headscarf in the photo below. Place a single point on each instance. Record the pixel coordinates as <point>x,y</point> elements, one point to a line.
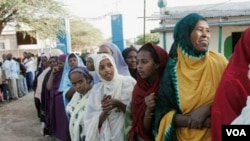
<point>113,50</point>
<point>56,115</point>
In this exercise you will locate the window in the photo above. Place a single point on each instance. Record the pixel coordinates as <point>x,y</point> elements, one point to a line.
<point>25,39</point>
<point>2,46</point>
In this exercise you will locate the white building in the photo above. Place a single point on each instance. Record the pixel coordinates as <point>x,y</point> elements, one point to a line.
<point>227,21</point>
<point>13,42</point>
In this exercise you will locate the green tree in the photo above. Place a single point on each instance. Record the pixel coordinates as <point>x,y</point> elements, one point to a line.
<point>42,16</point>
<point>151,37</point>
<point>84,35</point>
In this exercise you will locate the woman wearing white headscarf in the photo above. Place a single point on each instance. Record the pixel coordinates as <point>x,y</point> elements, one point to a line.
<point>104,115</point>
<point>91,68</point>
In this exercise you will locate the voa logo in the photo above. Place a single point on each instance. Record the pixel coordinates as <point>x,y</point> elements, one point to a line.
<point>236,132</point>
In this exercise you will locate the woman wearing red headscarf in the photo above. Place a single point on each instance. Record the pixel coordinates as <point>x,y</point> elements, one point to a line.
<point>231,95</point>
<point>151,62</point>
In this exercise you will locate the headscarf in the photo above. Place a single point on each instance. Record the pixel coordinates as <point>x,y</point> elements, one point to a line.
<point>47,55</point>
<point>182,36</point>
<point>82,70</point>
<point>125,53</point>
<point>190,80</point>
<point>94,73</point>
<point>120,88</point>
<point>121,65</point>
<point>143,89</point>
<point>231,95</point>
<point>62,57</point>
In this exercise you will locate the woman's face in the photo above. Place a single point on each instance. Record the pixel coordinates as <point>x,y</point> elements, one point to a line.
<point>104,49</point>
<point>131,59</point>
<point>73,62</point>
<point>146,67</point>
<point>200,36</point>
<point>79,82</point>
<point>52,62</point>
<point>90,64</point>
<point>44,61</point>
<point>106,69</point>
<point>60,64</point>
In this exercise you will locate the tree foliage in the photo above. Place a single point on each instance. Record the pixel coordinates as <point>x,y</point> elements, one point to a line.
<point>151,37</point>
<point>83,35</point>
<point>43,16</point>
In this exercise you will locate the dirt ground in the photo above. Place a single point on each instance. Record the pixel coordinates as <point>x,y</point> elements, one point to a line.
<point>19,121</point>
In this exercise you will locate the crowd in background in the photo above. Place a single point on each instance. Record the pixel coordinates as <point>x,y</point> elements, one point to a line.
<point>143,94</point>
<point>17,75</point>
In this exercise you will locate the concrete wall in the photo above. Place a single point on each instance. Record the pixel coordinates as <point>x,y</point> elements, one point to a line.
<point>214,41</point>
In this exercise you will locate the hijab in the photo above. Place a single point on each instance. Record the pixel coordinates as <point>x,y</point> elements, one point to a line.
<point>121,65</point>
<point>182,32</point>
<point>62,57</point>
<point>94,73</point>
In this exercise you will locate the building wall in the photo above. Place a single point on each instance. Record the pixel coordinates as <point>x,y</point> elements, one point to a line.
<point>8,41</point>
<point>8,44</point>
<point>214,41</point>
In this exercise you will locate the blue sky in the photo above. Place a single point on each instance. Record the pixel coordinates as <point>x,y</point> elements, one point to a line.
<point>96,12</point>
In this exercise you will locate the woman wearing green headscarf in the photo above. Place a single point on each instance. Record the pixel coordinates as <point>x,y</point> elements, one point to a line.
<point>189,83</point>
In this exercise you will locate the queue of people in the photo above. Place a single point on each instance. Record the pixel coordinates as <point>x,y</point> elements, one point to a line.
<point>146,94</point>
<point>14,80</point>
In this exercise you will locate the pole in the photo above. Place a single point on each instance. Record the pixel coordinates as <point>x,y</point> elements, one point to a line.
<point>144,23</point>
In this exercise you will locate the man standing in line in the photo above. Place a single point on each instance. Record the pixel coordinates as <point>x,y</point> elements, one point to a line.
<point>28,63</point>
<point>10,66</point>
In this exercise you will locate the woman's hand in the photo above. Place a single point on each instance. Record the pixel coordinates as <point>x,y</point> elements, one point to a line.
<point>150,102</point>
<point>198,117</point>
<point>106,104</point>
<point>55,70</point>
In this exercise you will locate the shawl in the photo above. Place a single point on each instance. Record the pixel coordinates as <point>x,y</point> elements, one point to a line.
<point>65,83</point>
<point>120,63</point>
<point>190,81</point>
<point>120,87</point>
<point>75,109</point>
<point>141,90</point>
<point>40,83</point>
<point>234,87</point>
